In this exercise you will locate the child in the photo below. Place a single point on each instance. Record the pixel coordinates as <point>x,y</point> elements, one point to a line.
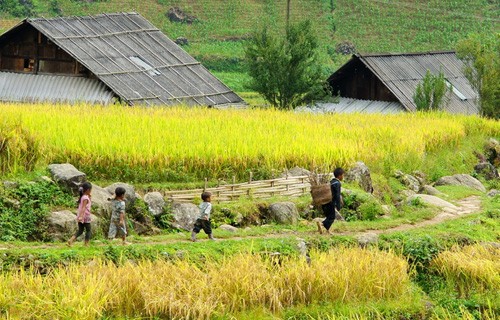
<point>83,214</point>
<point>203,221</point>
<point>336,203</point>
<point>118,222</point>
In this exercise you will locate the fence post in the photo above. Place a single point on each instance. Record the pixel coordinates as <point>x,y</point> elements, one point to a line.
<point>251,176</point>
<point>205,186</point>
<point>232,188</point>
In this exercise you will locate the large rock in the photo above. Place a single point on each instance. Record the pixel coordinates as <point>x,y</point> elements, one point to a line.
<point>62,225</point>
<point>130,195</point>
<point>185,215</point>
<point>100,200</point>
<point>487,170</point>
<point>283,213</point>
<point>145,229</point>
<point>432,200</point>
<point>155,203</point>
<point>67,176</point>
<point>361,175</point>
<point>408,181</point>
<point>295,172</point>
<point>366,239</point>
<point>493,193</point>
<point>461,180</point>
<point>229,228</point>
<point>492,151</point>
<point>176,14</point>
<point>430,190</point>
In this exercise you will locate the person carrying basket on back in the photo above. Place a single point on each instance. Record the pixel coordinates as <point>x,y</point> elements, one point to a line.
<point>330,208</point>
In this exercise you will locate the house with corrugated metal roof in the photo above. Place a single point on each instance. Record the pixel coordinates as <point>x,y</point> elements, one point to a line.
<point>101,59</point>
<point>370,79</point>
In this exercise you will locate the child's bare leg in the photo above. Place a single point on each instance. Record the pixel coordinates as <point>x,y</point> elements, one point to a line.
<point>71,240</point>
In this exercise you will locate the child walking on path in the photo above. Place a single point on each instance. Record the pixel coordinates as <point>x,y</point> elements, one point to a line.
<point>83,214</point>
<point>203,221</point>
<point>330,208</point>
<point>118,221</point>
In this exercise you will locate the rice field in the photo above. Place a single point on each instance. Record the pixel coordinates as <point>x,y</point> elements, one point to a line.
<point>471,269</point>
<point>183,290</point>
<point>164,143</point>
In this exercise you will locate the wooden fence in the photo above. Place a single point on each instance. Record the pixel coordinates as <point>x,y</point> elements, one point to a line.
<point>288,186</point>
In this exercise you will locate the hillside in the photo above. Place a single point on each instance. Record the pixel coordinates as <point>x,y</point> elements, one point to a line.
<point>217,36</point>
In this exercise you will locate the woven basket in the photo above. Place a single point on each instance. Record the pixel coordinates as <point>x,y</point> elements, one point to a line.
<point>321,194</point>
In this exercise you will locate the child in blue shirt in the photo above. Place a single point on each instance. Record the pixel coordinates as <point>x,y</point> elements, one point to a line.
<point>203,221</point>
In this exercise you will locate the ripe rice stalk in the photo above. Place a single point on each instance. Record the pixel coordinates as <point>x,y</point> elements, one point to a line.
<point>473,268</point>
<point>183,290</point>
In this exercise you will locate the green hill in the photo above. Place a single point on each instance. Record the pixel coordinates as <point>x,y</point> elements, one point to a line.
<point>217,36</point>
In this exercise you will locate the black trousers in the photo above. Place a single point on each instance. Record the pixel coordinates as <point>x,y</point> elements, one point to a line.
<point>83,226</point>
<point>202,224</point>
<point>329,211</point>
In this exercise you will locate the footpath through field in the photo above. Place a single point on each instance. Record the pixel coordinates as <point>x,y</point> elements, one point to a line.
<point>463,207</point>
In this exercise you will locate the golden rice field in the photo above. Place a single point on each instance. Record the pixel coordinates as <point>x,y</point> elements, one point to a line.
<point>118,141</point>
<point>473,268</point>
<point>183,290</point>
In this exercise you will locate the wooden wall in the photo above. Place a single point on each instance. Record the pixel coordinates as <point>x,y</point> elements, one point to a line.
<point>357,81</point>
<point>27,50</point>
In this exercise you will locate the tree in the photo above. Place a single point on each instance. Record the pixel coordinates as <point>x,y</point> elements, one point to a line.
<point>481,57</point>
<point>431,92</point>
<point>285,69</point>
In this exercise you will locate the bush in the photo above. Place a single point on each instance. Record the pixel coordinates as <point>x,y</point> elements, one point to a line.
<point>23,210</point>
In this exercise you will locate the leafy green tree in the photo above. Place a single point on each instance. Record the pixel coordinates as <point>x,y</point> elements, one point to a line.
<point>17,8</point>
<point>431,92</point>
<point>481,56</point>
<point>285,69</point>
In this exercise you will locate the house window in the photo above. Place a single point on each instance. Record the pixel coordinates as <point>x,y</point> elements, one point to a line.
<point>144,65</point>
<point>459,94</point>
<point>28,65</point>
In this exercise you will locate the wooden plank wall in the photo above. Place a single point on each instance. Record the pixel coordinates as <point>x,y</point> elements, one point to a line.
<point>288,186</point>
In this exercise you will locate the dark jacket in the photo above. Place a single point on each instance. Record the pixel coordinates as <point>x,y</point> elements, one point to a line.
<point>336,198</point>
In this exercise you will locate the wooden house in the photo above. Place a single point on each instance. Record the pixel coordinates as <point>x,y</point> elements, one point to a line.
<point>394,78</point>
<point>101,59</point>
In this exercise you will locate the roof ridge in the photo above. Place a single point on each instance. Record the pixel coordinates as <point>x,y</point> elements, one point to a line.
<point>393,54</point>
<point>90,16</point>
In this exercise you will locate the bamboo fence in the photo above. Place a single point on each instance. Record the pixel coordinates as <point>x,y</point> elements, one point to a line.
<point>288,186</point>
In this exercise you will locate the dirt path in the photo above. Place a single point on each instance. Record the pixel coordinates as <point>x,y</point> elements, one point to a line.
<point>463,207</point>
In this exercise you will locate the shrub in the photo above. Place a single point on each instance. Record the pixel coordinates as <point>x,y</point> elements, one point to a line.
<point>23,210</point>
<point>430,94</point>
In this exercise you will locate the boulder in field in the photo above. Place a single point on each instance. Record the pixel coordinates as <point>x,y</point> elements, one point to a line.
<point>461,180</point>
<point>283,213</point>
<point>155,203</point>
<point>408,181</point>
<point>432,200</point>
<point>185,215</point>
<point>366,239</point>
<point>493,193</point>
<point>361,175</point>
<point>100,201</point>
<point>62,225</point>
<point>67,176</point>
<point>228,228</point>
<point>295,172</point>
<point>130,195</point>
<point>430,190</point>
<point>487,170</point>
